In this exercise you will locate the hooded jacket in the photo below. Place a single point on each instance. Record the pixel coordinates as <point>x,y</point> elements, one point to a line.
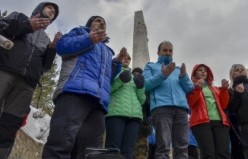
<point>30,56</point>
<point>197,103</point>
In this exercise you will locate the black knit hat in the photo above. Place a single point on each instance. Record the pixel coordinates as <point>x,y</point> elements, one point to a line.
<point>88,24</point>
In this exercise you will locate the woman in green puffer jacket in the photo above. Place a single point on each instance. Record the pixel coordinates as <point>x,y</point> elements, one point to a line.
<point>125,109</point>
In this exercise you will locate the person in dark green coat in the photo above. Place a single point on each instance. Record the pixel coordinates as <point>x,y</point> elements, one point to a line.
<point>125,110</point>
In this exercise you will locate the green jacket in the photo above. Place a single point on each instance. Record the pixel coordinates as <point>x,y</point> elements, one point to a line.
<point>126,100</point>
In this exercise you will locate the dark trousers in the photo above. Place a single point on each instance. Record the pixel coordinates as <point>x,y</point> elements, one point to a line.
<point>77,122</point>
<point>122,133</point>
<point>236,146</point>
<point>15,98</point>
<point>244,135</point>
<point>193,152</point>
<point>213,140</point>
<point>151,151</point>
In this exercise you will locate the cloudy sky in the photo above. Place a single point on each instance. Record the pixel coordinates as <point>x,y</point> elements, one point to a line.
<point>213,32</point>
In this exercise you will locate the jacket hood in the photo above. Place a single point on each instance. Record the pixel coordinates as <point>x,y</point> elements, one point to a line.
<point>41,6</point>
<point>210,76</point>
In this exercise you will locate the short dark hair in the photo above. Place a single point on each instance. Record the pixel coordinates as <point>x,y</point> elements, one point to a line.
<point>88,24</point>
<point>164,42</point>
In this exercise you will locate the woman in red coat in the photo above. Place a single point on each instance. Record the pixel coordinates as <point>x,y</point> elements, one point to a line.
<point>208,121</point>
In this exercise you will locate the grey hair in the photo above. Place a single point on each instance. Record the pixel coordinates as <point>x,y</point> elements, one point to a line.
<point>234,66</point>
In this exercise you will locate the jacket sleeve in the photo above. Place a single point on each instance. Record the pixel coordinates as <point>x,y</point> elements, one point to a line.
<point>141,95</point>
<point>75,42</point>
<point>15,25</point>
<point>48,58</point>
<point>152,80</point>
<point>116,69</point>
<point>116,84</point>
<point>234,102</point>
<point>224,97</point>
<point>186,84</point>
<point>193,97</point>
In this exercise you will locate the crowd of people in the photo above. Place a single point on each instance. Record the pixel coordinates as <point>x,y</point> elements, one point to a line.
<point>98,92</point>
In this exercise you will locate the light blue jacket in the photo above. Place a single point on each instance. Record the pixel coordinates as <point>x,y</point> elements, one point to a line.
<point>166,91</point>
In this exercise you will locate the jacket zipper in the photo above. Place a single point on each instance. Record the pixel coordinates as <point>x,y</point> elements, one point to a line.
<point>80,68</point>
<point>104,70</point>
<point>32,52</point>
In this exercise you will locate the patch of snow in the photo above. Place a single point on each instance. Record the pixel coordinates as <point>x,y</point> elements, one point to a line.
<point>37,125</point>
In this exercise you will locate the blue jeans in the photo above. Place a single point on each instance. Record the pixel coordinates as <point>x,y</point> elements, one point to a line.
<point>122,133</point>
<point>171,126</point>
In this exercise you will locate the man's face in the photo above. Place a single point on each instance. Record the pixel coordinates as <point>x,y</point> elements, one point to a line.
<point>49,11</point>
<point>98,23</point>
<point>165,49</point>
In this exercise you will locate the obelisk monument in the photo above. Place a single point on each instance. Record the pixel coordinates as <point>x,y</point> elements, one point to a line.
<point>140,41</point>
<point>140,58</point>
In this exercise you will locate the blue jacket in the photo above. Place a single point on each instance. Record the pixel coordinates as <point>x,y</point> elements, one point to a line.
<point>166,91</point>
<point>86,67</point>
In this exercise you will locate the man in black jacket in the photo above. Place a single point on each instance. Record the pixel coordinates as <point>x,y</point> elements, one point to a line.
<point>21,67</point>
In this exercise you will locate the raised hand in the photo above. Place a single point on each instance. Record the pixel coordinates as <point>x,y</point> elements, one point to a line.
<point>199,83</point>
<point>125,76</point>
<point>182,70</point>
<point>240,88</point>
<point>55,39</point>
<point>38,23</point>
<point>224,83</point>
<point>138,80</point>
<point>97,35</point>
<point>168,69</point>
<point>122,54</point>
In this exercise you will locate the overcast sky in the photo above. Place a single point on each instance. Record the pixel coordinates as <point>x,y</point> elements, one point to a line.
<point>213,32</point>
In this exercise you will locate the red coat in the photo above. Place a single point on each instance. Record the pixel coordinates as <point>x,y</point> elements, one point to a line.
<point>197,104</point>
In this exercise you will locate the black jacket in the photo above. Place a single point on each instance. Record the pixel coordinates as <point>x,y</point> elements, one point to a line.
<point>30,56</point>
<point>238,105</point>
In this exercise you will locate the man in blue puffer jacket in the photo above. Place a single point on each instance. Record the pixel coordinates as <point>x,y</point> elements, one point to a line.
<point>168,86</point>
<point>82,94</point>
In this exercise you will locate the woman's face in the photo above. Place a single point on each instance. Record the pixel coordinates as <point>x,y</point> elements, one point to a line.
<point>126,61</point>
<point>239,71</point>
<point>201,73</point>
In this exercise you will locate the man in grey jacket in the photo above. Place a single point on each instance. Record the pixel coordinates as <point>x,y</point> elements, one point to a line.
<point>22,66</point>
